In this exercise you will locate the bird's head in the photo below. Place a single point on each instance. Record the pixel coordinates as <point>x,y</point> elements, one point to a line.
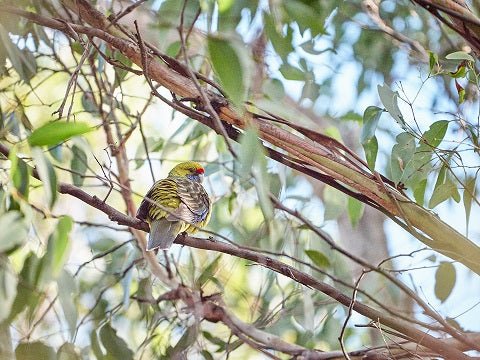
<point>190,169</point>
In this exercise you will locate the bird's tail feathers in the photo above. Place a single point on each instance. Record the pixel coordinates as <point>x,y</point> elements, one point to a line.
<point>162,234</point>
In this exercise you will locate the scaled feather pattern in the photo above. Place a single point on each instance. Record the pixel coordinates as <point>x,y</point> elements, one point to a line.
<point>176,204</point>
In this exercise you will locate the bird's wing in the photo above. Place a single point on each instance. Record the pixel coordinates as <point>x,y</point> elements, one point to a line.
<point>164,193</point>
<point>195,203</point>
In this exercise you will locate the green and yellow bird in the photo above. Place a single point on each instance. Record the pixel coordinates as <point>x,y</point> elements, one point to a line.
<point>176,204</point>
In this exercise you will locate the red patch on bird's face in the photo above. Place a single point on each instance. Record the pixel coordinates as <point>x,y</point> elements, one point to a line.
<point>200,171</point>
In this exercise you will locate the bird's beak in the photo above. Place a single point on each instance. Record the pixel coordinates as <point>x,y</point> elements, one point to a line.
<point>200,177</point>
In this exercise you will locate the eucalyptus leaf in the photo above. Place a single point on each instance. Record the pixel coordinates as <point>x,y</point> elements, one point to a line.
<point>469,193</point>
<point>14,230</point>
<point>318,258</point>
<point>66,291</point>
<point>34,351</point>
<point>68,351</point>
<point>55,132</point>
<point>228,67</point>
<point>8,287</point>
<point>78,165</point>
<point>390,101</point>
<point>47,175</point>
<point>355,210</point>
<point>445,278</point>
<point>116,347</point>
<point>371,116</point>
<point>460,55</point>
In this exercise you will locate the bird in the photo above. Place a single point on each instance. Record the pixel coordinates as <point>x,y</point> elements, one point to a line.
<point>176,204</point>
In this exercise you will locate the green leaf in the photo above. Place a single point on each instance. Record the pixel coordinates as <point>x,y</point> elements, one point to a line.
<point>47,175</point>
<point>290,72</point>
<point>14,230</point>
<point>208,272</point>
<point>371,150</point>
<point>419,192</point>
<point>55,132</point>
<point>436,133</point>
<point>66,291</point>
<point>57,247</point>
<point>116,347</point>
<point>68,352</point>
<point>306,17</point>
<point>460,55</point>
<point>188,339</point>
<point>318,258</point>
<point>445,278</point>
<point>27,293</point>
<point>444,192</point>
<point>355,210</point>
<point>433,60</point>
<point>253,159</point>
<point>228,67</point>
<point>95,345</point>
<point>371,116</point>
<point>19,173</point>
<point>34,351</point>
<point>8,287</point>
<point>402,153</point>
<point>468,195</point>
<point>206,355</point>
<point>281,44</point>
<point>390,101</point>
<point>78,165</point>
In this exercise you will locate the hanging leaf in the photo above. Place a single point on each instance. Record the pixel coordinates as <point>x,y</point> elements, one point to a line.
<point>78,165</point>
<point>281,44</point>
<point>47,175</point>
<point>290,72</point>
<point>253,159</point>
<point>335,202</point>
<point>208,272</point>
<point>468,195</point>
<point>390,101</point>
<point>355,210</point>
<point>68,352</point>
<point>444,192</point>
<point>35,351</point>
<point>419,192</point>
<point>14,230</point>
<point>27,294</point>
<point>306,17</point>
<point>116,347</point>
<point>188,339</point>
<point>228,67</point>
<point>318,258</point>
<point>371,150</point>
<point>445,278</point>
<point>55,132</point>
<point>371,116</point>
<point>19,173</point>
<point>66,289</point>
<point>402,153</point>
<point>8,287</point>
<point>436,133</point>
<point>57,247</point>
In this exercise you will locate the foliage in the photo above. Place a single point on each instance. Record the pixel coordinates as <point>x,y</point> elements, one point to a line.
<point>79,117</point>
